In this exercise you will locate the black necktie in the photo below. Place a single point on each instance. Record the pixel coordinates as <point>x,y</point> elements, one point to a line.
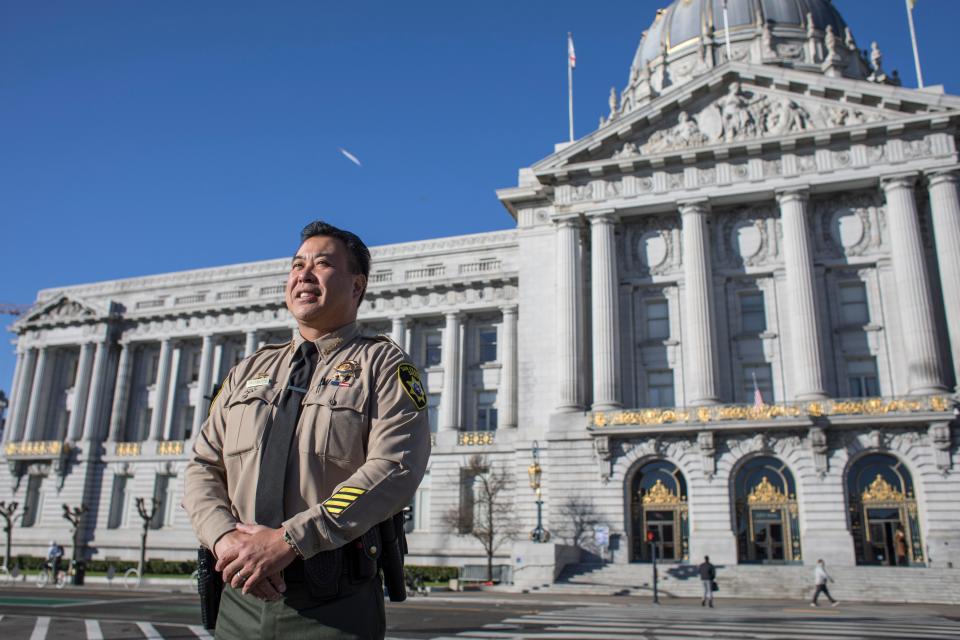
<point>278,438</point>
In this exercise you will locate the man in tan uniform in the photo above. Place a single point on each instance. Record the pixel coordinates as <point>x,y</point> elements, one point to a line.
<point>308,446</point>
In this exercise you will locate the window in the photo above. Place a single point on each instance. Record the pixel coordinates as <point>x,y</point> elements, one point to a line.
<point>486,412</point>
<point>433,411</point>
<point>853,304</point>
<point>467,501</point>
<point>488,344</point>
<point>194,372</point>
<point>433,349</point>
<point>660,388</point>
<point>752,316</point>
<point>658,319</point>
<point>118,502</point>
<point>186,421</point>
<point>764,377</point>
<point>161,492</point>
<point>153,364</point>
<point>419,515</point>
<point>31,503</point>
<point>862,378</point>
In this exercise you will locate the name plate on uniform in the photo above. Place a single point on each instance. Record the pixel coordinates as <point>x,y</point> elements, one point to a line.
<point>260,381</point>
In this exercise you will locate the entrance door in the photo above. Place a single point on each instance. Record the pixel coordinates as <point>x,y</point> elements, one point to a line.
<point>664,529</point>
<point>768,535</point>
<point>882,525</point>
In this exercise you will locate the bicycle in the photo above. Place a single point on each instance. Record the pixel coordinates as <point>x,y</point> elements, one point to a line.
<point>45,575</point>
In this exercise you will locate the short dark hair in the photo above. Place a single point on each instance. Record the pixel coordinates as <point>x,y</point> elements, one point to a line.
<point>357,251</point>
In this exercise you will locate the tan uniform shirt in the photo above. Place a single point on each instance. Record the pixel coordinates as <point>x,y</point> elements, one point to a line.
<point>361,444</point>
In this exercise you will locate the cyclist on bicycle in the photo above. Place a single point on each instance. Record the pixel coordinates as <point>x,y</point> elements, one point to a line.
<point>54,554</point>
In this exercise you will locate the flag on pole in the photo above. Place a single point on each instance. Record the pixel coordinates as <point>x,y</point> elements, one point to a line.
<point>912,3</point>
<point>757,395</point>
<point>571,53</point>
<point>913,39</point>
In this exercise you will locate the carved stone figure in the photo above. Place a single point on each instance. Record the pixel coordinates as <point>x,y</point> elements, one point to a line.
<point>832,43</point>
<point>786,116</point>
<point>811,27</point>
<point>737,121</point>
<point>876,61</point>
<point>612,100</point>
<point>766,41</point>
<point>686,133</point>
<point>848,39</point>
<point>628,150</point>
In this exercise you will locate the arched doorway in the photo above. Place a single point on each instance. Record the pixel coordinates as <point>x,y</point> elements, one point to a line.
<point>883,512</point>
<point>658,504</point>
<point>767,518</point>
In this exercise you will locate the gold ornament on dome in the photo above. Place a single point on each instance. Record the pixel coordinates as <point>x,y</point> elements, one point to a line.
<point>766,493</point>
<point>881,491</point>
<point>659,494</point>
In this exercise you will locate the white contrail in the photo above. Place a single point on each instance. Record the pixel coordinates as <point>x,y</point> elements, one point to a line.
<point>349,156</point>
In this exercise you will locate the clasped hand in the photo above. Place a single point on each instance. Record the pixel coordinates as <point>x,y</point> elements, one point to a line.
<point>251,558</point>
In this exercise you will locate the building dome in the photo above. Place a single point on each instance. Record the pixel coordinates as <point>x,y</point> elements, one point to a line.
<point>688,39</point>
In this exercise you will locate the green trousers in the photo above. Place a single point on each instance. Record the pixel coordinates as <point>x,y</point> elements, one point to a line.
<point>358,615</point>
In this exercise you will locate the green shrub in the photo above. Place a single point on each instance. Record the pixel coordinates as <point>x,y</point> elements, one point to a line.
<point>431,574</point>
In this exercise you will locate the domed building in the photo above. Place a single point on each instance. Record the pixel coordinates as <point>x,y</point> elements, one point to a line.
<point>745,346</point>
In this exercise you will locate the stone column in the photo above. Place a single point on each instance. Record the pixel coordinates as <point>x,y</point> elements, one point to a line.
<point>398,331</point>
<point>568,330</point>
<point>805,348</point>
<point>699,353</point>
<point>10,428</point>
<point>160,390</point>
<point>508,372</point>
<point>98,383</point>
<point>251,345</point>
<point>121,393</point>
<point>34,425</point>
<point>913,287</point>
<point>204,383</point>
<point>606,314</point>
<point>945,210</point>
<point>450,398</point>
<point>171,400</point>
<point>81,388</point>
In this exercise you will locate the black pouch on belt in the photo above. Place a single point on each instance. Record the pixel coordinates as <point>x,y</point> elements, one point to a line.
<point>322,572</point>
<point>362,555</point>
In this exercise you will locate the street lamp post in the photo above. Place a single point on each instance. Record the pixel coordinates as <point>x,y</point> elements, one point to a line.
<point>539,534</point>
<point>73,515</point>
<point>652,539</point>
<point>6,512</point>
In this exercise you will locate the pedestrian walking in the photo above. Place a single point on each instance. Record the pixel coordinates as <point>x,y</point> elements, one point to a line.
<point>821,578</point>
<point>900,542</point>
<point>708,576</point>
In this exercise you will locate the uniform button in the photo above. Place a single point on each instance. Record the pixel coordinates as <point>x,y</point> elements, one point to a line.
<point>333,402</point>
<point>373,549</point>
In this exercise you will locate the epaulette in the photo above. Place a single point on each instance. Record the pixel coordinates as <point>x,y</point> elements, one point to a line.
<point>384,338</point>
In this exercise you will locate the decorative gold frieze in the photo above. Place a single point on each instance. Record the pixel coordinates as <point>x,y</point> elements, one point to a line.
<point>127,449</point>
<point>170,447</point>
<point>659,494</point>
<point>475,438</point>
<point>881,491</point>
<point>766,493</point>
<point>767,412</point>
<point>36,448</point>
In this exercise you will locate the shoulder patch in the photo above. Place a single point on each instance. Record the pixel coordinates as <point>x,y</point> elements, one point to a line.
<point>410,379</point>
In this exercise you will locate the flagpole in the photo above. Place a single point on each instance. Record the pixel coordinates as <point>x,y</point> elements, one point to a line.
<point>726,30</point>
<point>570,83</point>
<point>913,38</point>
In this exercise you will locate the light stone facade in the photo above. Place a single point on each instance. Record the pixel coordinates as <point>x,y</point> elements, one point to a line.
<point>785,225</point>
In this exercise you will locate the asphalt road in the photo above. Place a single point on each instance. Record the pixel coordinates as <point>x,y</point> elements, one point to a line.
<point>98,613</point>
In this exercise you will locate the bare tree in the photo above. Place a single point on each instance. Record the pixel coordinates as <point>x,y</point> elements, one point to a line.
<point>489,516</point>
<point>580,515</point>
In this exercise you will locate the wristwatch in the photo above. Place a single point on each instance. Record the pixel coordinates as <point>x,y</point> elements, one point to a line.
<point>291,543</point>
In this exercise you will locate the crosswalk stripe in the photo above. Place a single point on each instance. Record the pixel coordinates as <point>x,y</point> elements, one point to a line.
<point>93,630</point>
<point>149,631</point>
<point>200,632</point>
<point>40,628</point>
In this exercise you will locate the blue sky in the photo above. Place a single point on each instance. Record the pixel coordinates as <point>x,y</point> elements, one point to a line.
<point>143,137</point>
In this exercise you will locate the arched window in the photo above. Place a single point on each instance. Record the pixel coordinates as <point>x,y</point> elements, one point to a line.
<point>883,512</point>
<point>765,499</point>
<point>658,506</point>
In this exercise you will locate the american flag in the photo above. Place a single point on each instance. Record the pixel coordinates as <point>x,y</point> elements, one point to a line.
<point>757,395</point>
<point>571,53</point>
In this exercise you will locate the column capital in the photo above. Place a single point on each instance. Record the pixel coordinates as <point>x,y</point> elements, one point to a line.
<point>792,194</point>
<point>602,216</point>
<point>509,308</point>
<point>905,180</point>
<point>453,315</point>
<point>697,206</point>
<point>939,176</point>
<point>570,221</point>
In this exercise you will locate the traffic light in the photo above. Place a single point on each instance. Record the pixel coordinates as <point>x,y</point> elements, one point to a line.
<point>651,536</point>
